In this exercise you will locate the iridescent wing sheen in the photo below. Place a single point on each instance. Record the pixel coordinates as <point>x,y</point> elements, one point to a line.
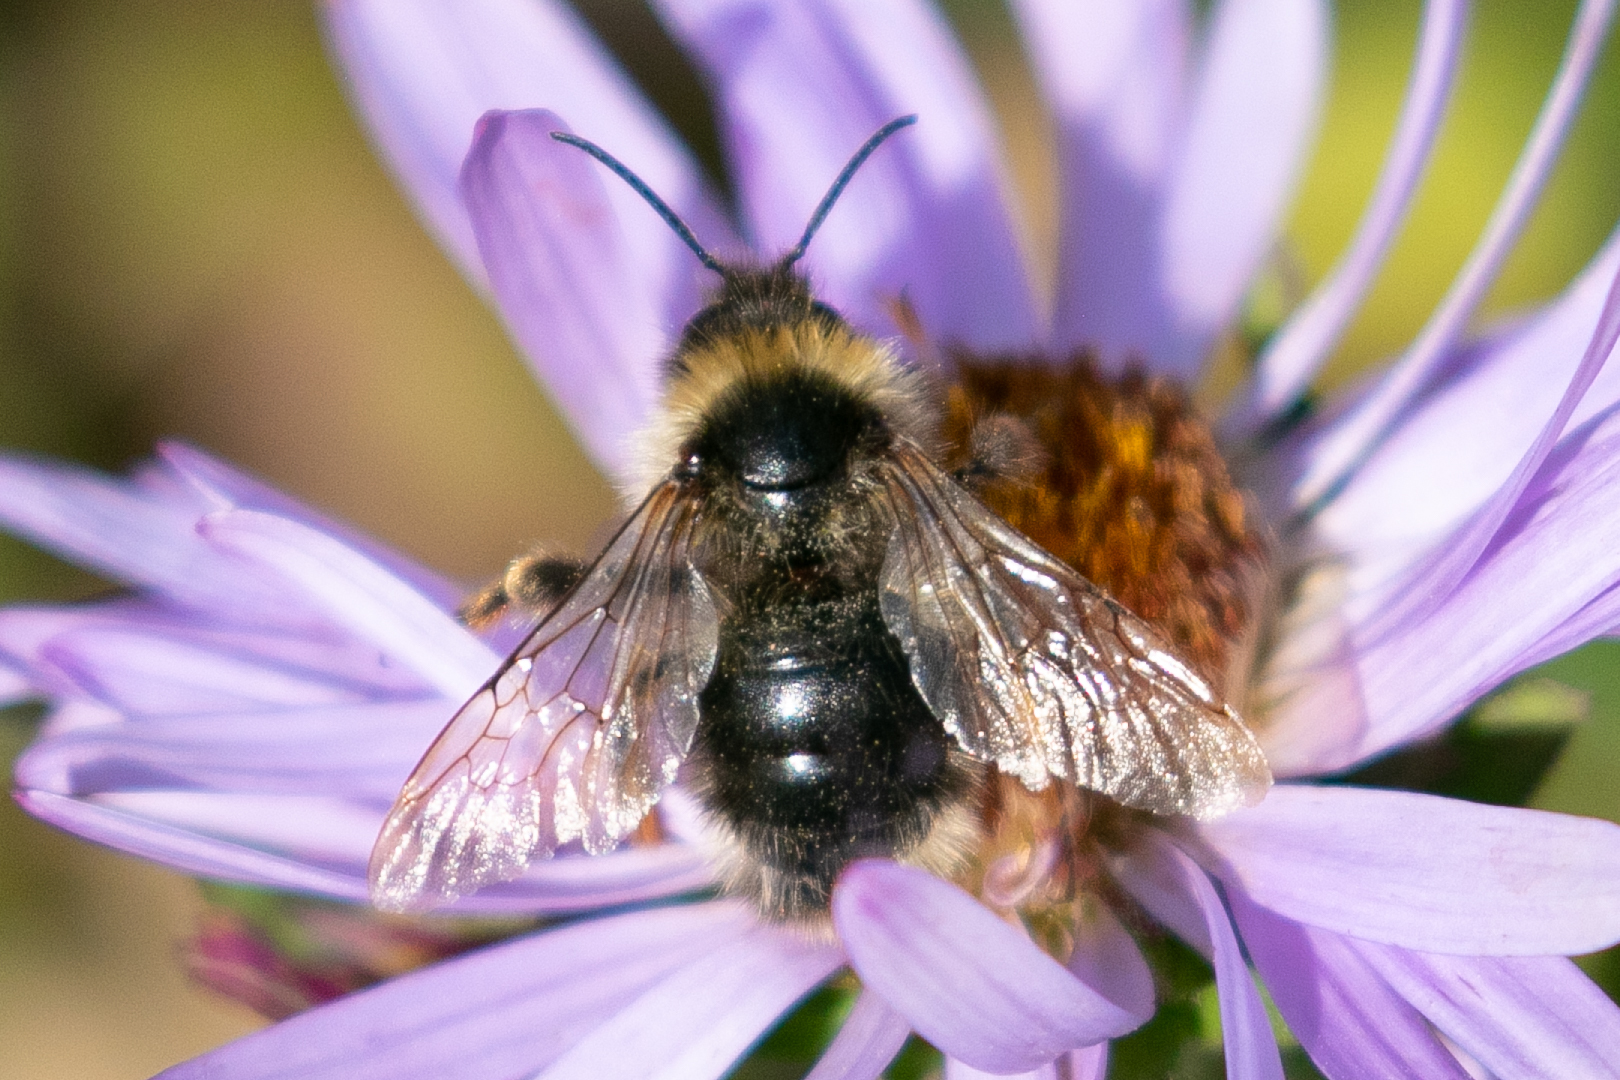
<point>577,733</point>
<point>1035,669</point>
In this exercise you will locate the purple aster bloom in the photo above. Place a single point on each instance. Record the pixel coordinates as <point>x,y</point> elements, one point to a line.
<point>250,709</point>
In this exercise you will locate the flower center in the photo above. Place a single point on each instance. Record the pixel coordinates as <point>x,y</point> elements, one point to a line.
<point>1130,489</point>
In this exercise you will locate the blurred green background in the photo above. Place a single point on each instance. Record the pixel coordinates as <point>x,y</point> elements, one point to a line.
<point>195,241</point>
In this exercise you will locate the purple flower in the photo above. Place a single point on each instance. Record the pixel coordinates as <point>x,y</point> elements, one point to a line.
<point>250,709</point>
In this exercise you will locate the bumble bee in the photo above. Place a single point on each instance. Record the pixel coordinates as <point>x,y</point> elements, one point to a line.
<point>814,619</point>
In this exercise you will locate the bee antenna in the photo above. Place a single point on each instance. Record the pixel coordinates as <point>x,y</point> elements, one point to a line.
<point>838,185</point>
<point>639,186</point>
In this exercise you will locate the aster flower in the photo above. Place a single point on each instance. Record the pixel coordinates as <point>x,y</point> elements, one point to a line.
<point>248,712</point>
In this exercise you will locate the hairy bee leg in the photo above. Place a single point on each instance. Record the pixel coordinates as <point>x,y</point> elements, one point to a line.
<point>531,586</point>
<point>1002,448</point>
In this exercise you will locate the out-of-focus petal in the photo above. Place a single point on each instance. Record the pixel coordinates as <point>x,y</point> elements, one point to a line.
<point>134,537</point>
<point>1087,1063</point>
<point>1552,558</point>
<point>1522,1017</point>
<point>1360,429</point>
<point>503,1011</point>
<point>1342,1012</point>
<point>565,276</point>
<point>1255,103</point>
<point>423,71</point>
<point>1106,958</point>
<point>969,983</point>
<point>801,86</point>
<point>14,686</point>
<point>694,1024</point>
<point>1175,891</point>
<point>358,595</point>
<point>320,845</point>
<point>1298,350</point>
<point>1114,73</point>
<point>1425,872</point>
<point>1463,441</point>
<point>869,1038</point>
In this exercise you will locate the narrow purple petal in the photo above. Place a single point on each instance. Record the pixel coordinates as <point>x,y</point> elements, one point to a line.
<point>565,276</point>
<point>694,1024</point>
<point>228,488</point>
<point>361,751</point>
<point>969,983</point>
<point>1298,350</point>
<point>1256,100</point>
<point>801,86</point>
<point>1342,1012</point>
<point>1522,1017</point>
<point>958,1070</point>
<point>358,595</point>
<point>1552,558</point>
<point>869,1038</point>
<point>423,71</point>
<point>503,1011</point>
<point>1424,872</point>
<point>319,845</point>
<point>1371,419</point>
<point>1466,437</point>
<point>1114,73</point>
<point>1176,892</point>
<point>134,537</point>
<point>1418,593</point>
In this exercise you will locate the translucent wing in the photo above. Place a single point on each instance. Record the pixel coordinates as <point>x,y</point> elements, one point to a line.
<point>1032,667</point>
<point>577,733</point>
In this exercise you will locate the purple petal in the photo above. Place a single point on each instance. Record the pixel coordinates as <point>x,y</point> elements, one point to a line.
<point>1424,872</point>
<point>1298,350</point>
<point>968,982</point>
<point>227,488</point>
<point>1255,103</point>
<point>360,596</point>
<point>1522,1017</point>
<point>1552,558</point>
<point>361,751</point>
<point>1114,72</point>
<point>423,71</point>
<point>1371,419</point>
<point>1175,891</point>
<point>1465,439</point>
<point>869,1038</point>
<point>801,86</point>
<point>321,846</point>
<point>14,686</point>
<point>566,277</point>
<point>694,1024</point>
<point>1106,959</point>
<point>1087,1063</point>
<point>136,537</point>
<point>503,1011</point>
<point>1342,1012</point>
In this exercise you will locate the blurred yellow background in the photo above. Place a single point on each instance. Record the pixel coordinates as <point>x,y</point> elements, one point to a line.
<point>196,241</point>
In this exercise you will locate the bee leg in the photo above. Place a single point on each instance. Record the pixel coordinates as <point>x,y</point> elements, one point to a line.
<point>1003,448</point>
<point>531,587</point>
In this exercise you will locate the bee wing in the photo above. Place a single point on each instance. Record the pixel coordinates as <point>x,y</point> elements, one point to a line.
<point>577,733</point>
<point>1032,667</point>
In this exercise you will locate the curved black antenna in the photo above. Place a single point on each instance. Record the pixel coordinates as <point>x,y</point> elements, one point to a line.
<point>639,186</point>
<point>842,182</point>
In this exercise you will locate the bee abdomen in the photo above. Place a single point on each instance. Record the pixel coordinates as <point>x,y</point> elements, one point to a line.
<point>815,749</point>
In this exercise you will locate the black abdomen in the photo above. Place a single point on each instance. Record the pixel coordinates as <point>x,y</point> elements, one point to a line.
<point>815,748</point>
